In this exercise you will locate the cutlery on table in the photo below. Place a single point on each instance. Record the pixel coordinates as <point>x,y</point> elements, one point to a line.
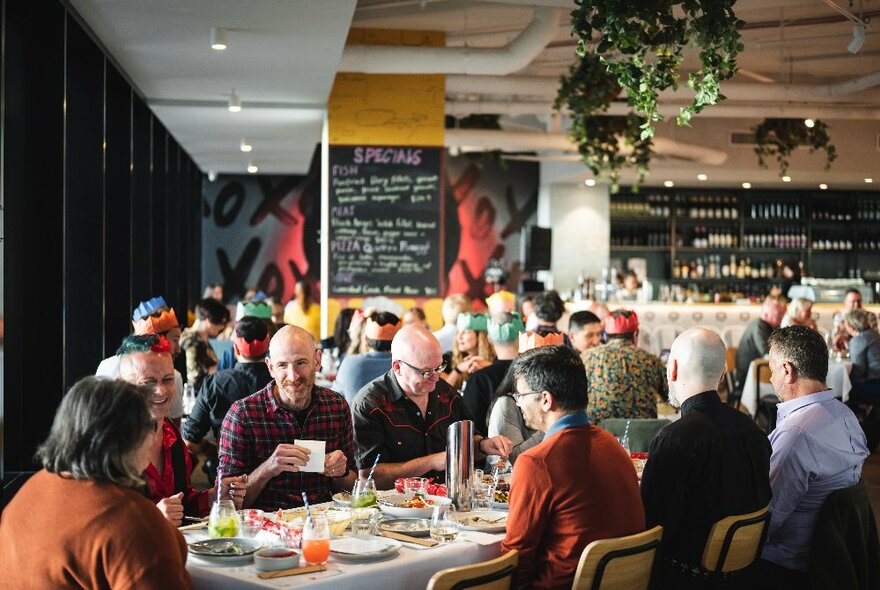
<point>294,571</point>
<point>486,520</point>
<point>408,539</point>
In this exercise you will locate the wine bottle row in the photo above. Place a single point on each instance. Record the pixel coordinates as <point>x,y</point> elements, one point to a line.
<point>781,237</point>
<point>775,210</point>
<point>722,267</point>
<point>714,237</point>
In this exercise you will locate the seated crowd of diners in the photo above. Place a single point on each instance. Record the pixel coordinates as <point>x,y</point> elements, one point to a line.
<point>117,465</point>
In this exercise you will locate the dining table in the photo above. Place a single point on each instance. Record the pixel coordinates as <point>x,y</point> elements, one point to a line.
<point>837,379</point>
<point>410,567</point>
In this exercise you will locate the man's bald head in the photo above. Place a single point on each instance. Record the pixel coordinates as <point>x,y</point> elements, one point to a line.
<point>414,343</point>
<point>291,336</point>
<point>696,363</point>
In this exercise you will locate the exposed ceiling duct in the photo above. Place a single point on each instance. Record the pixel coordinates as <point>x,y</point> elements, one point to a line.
<point>491,139</point>
<point>385,59</point>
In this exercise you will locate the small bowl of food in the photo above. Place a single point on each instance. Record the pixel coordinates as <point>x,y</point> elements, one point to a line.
<point>271,559</point>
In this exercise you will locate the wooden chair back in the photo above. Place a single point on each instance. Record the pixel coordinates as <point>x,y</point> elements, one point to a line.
<point>622,563</point>
<point>495,574</point>
<point>735,542</point>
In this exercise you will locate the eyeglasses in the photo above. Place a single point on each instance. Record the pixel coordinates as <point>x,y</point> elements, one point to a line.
<point>516,396</point>
<point>426,373</point>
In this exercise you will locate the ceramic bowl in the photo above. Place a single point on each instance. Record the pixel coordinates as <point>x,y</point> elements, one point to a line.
<point>273,559</point>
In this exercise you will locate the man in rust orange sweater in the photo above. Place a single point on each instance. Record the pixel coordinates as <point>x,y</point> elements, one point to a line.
<point>577,486</point>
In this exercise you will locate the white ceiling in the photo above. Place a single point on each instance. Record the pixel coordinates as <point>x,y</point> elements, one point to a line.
<point>283,55</point>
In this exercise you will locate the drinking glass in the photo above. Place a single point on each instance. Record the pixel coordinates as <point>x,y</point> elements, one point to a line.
<point>291,534</point>
<point>482,494</point>
<point>251,522</point>
<point>223,521</point>
<point>364,493</point>
<point>316,540</point>
<point>444,525</point>
<point>363,521</point>
<point>413,486</point>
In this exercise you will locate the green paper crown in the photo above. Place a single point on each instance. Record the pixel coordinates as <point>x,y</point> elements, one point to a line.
<point>478,322</point>
<point>506,332</point>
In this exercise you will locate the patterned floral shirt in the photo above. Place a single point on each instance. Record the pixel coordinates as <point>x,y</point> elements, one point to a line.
<point>624,381</point>
<point>257,424</point>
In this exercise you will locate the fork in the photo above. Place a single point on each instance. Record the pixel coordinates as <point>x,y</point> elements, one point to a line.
<point>497,520</point>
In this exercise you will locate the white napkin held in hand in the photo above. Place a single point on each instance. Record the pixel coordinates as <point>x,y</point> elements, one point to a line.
<point>316,458</point>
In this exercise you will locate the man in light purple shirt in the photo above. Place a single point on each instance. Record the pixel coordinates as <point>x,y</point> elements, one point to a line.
<point>818,447</point>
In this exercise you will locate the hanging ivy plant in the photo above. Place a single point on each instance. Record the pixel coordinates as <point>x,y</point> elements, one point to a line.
<point>587,92</point>
<point>779,138</point>
<point>642,45</point>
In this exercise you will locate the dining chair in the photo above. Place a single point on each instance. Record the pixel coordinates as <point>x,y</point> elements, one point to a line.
<point>845,550</point>
<point>664,336</point>
<point>732,334</point>
<point>620,563</point>
<point>734,389</point>
<point>495,574</point>
<point>767,401</point>
<point>735,542</point>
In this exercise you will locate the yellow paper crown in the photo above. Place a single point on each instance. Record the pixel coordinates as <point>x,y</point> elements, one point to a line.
<point>530,340</point>
<point>501,301</point>
<point>157,323</point>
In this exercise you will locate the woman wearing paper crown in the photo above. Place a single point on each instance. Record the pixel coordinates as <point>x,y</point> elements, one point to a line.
<point>471,350</point>
<point>504,415</point>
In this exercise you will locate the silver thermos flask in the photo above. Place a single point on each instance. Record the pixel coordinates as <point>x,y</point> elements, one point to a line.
<point>460,463</point>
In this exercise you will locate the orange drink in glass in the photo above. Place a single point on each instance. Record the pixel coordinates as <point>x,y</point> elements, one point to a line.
<point>316,540</point>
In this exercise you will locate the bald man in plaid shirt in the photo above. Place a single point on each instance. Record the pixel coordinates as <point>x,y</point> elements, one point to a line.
<point>258,433</point>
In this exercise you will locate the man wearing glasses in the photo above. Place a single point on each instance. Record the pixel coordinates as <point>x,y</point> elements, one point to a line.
<point>576,486</point>
<point>403,415</point>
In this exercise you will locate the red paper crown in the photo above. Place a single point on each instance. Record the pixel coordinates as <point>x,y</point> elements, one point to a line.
<point>251,349</point>
<point>620,324</point>
<point>157,323</point>
<point>374,331</point>
<point>530,340</point>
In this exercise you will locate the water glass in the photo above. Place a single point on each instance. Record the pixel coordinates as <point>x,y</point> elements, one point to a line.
<point>413,486</point>
<point>482,494</point>
<point>223,521</point>
<point>291,534</point>
<point>364,521</point>
<point>251,522</point>
<point>444,524</point>
<point>316,540</point>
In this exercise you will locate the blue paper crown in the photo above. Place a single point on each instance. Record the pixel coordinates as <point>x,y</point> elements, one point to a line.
<point>147,308</point>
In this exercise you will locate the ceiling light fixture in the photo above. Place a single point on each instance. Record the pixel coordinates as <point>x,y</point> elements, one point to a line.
<point>212,176</point>
<point>869,180</point>
<point>858,38</point>
<point>218,39</point>
<point>668,183</point>
<point>234,102</point>
<point>823,186</point>
<point>245,145</point>
<point>809,123</point>
<point>747,185</point>
<point>702,177</point>
<point>252,168</point>
<point>786,179</point>
<point>590,182</point>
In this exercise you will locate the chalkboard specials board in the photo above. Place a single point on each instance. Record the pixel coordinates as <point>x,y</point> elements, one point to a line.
<point>385,230</point>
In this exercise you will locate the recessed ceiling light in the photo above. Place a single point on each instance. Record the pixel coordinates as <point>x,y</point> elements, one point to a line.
<point>786,179</point>
<point>823,186</point>
<point>252,168</point>
<point>702,177</point>
<point>245,145</point>
<point>747,185</point>
<point>809,123</point>
<point>218,39</point>
<point>869,180</point>
<point>590,182</point>
<point>234,102</point>
<point>668,183</point>
<point>212,176</point>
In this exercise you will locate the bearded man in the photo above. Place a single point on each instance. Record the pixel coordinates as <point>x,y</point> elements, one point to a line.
<point>260,432</point>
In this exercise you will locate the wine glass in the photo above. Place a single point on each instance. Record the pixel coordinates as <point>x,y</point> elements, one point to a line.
<point>316,540</point>
<point>444,524</point>
<point>224,520</point>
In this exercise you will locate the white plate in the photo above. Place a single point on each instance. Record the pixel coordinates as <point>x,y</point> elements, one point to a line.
<point>343,499</point>
<point>482,520</point>
<point>415,527</point>
<point>363,549</point>
<point>500,505</point>
<point>389,505</point>
<point>202,550</point>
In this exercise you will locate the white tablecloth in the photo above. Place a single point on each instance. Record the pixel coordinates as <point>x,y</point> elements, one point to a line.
<point>412,567</point>
<point>837,379</point>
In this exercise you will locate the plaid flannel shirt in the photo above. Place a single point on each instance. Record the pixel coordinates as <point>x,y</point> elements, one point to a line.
<point>256,425</point>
